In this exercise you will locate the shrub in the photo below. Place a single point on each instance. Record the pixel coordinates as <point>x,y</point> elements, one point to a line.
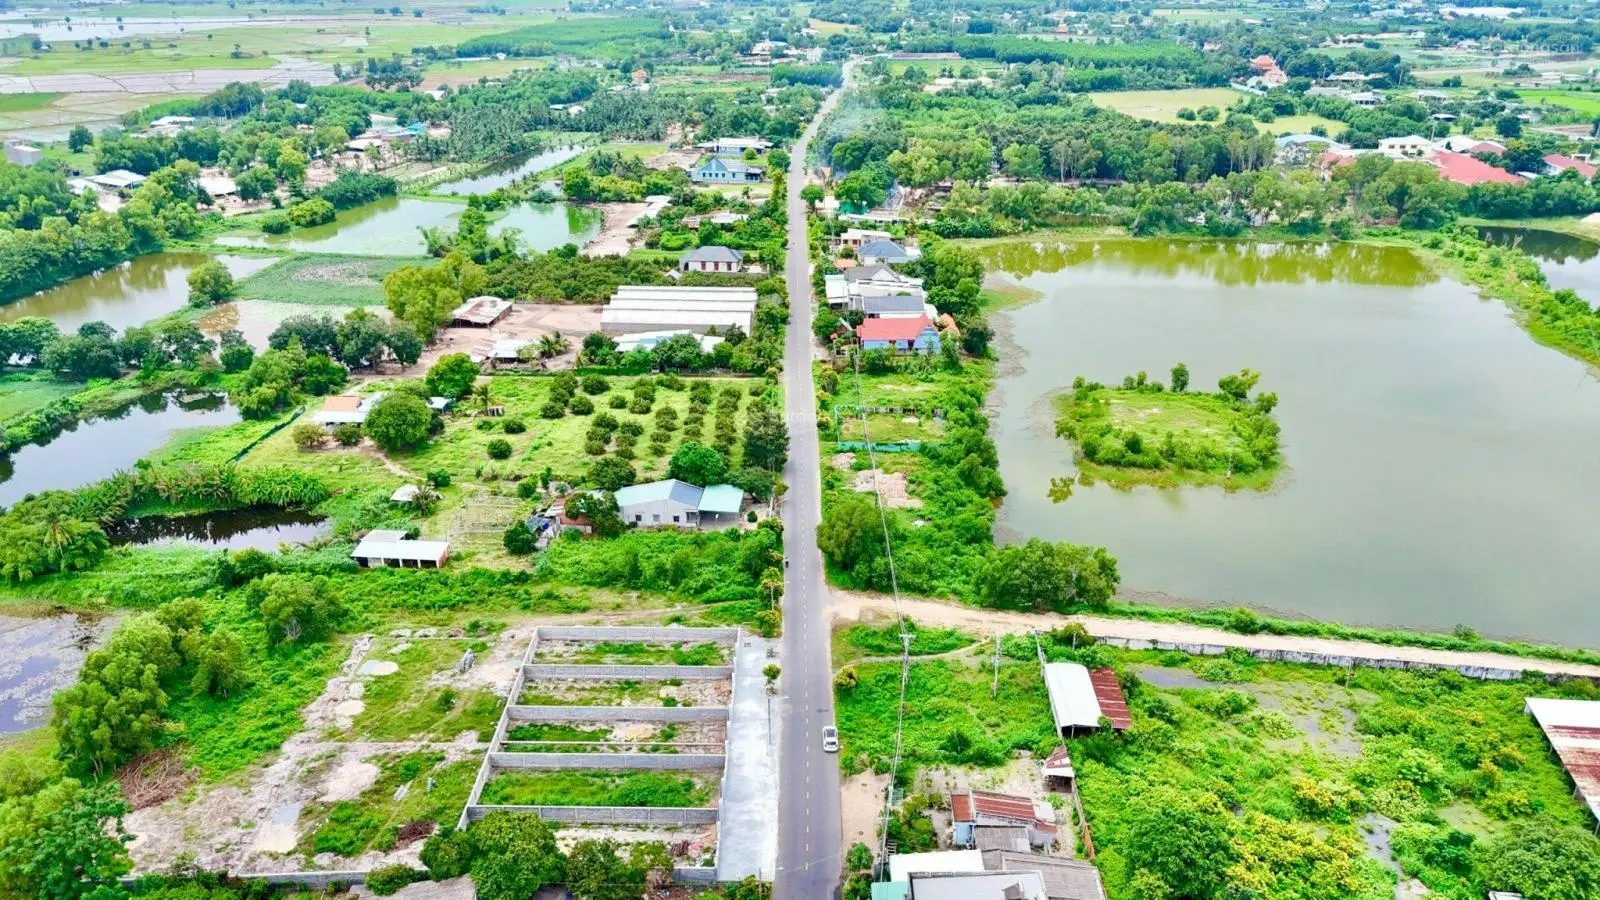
<point>594,384</point>
<point>580,405</point>
<point>311,212</point>
<point>307,436</point>
<point>348,434</point>
<point>617,401</point>
<point>519,539</point>
<point>514,426</point>
<point>499,448</point>
<point>275,223</point>
<point>595,448</point>
<point>639,405</point>
<point>552,410</point>
<point>390,879</point>
<point>439,478</point>
<point>447,854</point>
<point>528,488</point>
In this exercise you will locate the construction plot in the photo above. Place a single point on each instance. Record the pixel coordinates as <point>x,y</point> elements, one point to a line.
<point>641,733</point>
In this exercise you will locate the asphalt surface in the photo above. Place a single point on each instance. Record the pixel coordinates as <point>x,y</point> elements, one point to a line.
<point>808,801</point>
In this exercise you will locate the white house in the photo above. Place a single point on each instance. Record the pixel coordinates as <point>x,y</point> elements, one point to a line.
<point>883,251</point>
<point>676,504</point>
<point>718,170</point>
<point>393,548</point>
<point>725,260</point>
<point>1411,146</point>
<point>736,146</point>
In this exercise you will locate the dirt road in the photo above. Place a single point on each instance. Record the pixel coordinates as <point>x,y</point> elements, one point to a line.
<point>850,606</point>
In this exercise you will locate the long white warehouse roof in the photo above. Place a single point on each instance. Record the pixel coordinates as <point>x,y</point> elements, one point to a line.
<point>1072,699</point>
<point>658,319</point>
<point>698,294</point>
<point>631,303</point>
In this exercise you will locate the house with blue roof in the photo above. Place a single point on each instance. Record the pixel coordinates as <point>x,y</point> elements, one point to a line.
<point>718,170</point>
<point>677,504</point>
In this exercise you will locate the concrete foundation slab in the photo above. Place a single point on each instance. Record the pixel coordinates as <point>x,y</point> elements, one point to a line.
<point>747,835</point>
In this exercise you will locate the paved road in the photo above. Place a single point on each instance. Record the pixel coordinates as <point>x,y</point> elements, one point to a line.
<point>808,802</point>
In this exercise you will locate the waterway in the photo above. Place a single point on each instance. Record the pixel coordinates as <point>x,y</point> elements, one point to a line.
<point>1567,261</point>
<point>98,448</point>
<point>1441,464</point>
<point>262,529</point>
<point>392,227</point>
<point>144,288</point>
<point>503,173</point>
<point>37,658</point>
<point>79,28</point>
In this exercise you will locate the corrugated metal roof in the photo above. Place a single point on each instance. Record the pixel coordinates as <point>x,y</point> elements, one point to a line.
<point>667,292</point>
<point>1573,729</point>
<point>1108,693</point>
<point>1000,837</point>
<point>987,886</point>
<point>656,491</point>
<point>666,318</point>
<point>1072,698</point>
<point>1004,806</point>
<point>893,329</point>
<point>416,551</point>
<point>715,254</point>
<point>886,250</point>
<point>1064,879</point>
<point>721,498</point>
<point>960,808</point>
<point>903,865</point>
<point>895,303</point>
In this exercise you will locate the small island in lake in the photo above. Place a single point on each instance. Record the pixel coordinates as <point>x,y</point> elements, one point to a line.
<point>1148,433</point>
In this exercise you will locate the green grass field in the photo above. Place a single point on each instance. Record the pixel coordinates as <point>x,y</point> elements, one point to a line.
<point>1302,125</point>
<point>410,705</point>
<point>19,396</point>
<point>597,788</point>
<point>1163,106</point>
<point>1585,102</point>
<point>323,280</point>
<point>10,103</point>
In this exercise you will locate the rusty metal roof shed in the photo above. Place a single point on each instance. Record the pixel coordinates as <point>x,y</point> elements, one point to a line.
<point>1573,729</point>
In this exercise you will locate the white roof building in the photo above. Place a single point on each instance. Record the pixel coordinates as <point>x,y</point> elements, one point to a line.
<point>647,308</point>
<point>1573,729</point>
<point>903,865</point>
<point>393,548</point>
<point>118,179</point>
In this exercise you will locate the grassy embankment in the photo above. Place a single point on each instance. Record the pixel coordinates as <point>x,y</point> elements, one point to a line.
<point>1308,757</point>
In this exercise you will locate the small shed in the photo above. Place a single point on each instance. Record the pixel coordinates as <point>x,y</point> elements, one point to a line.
<point>1079,699</point>
<point>480,312</point>
<point>394,549</point>
<point>972,809</point>
<point>405,493</point>
<point>1059,766</point>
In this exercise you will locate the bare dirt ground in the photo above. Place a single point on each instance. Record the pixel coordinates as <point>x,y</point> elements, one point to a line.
<point>892,489</point>
<point>252,824</point>
<point>616,235</point>
<point>683,158</point>
<point>525,322</point>
<point>853,606</point>
<point>862,808</point>
<point>688,693</point>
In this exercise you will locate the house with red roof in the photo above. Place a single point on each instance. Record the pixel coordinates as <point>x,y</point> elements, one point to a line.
<point>1467,170</point>
<point>906,335</point>
<point>1263,63</point>
<point>970,809</point>
<point>1556,164</point>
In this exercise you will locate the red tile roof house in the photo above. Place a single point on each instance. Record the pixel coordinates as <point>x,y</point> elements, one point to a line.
<point>1463,169</point>
<point>901,335</point>
<point>1263,63</point>
<point>974,808</point>
<point>1559,164</point>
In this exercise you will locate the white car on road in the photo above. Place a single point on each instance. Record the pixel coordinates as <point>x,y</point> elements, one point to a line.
<point>830,739</point>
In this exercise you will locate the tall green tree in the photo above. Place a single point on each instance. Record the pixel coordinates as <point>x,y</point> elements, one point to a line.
<point>513,856</point>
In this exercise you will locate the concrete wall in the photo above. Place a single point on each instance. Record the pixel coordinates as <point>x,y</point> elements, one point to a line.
<point>1483,673</point>
<point>607,815</point>
<point>645,633</point>
<point>541,671</point>
<point>652,761</point>
<point>520,714</point>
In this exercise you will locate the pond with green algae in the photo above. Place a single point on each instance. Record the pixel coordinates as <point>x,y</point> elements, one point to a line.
<point>1440,464</point>
<point>393,227</point>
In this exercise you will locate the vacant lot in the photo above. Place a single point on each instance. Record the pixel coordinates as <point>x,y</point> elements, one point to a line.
<point>1163,106</point>
<point>1329,779</point>
<point>1581,101</point>
<point>599,788</point>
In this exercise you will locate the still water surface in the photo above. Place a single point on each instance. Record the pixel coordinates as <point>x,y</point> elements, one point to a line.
<point>391,227</point>
<point>262,529</point>
<point>503,173</point>
<point>1567,261</point>
<point>1442,465</point>
<point>97,448</point>
<point>144,288</point>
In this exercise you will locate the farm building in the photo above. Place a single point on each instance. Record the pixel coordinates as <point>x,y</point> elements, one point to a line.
<point>346,409</point>
<point>735,146</point>
<point>480,312</point>
<point>117,180</point>
<point>393,548</point>
<point>1573,729</point>
<point>1079,699</point>
<point>677,503</point>
<point>649,340</point>
<point>712,259</point>
<point>217,185</point>
<point>634,309</point>
<point>972,809</point>
<point>988,875</point>
<point>22,154</point>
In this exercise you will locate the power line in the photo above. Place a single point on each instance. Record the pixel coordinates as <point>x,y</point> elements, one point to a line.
<point>900,618</point>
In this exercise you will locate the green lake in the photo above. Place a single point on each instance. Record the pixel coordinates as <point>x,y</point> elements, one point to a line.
<point>392,227</point>
<point>1567,261</point>
<point>144,288</point>
<point>1441,466</point>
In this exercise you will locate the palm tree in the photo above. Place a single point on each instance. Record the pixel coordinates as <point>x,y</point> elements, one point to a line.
<point>480,396</point>
<point>553,344</point>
